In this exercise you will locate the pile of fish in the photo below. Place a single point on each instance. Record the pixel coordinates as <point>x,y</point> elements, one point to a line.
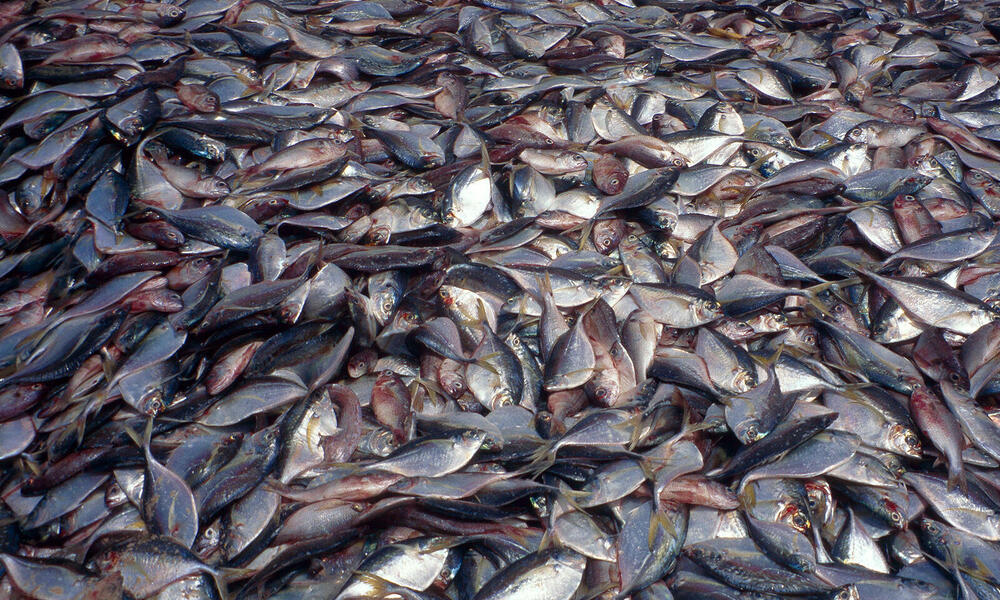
<point>499,300</point>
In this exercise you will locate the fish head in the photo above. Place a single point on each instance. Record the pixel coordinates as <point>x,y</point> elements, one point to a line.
<point>744,381</point>
<point>383,303</point>
<point>903,439</point>
<point>819,498</point>
<point>471,438</point>
<point>779,322</point>
<point>792,514</point>
<point>501,397</point>
<point>958,378</point>
<point>707,308</point>
<point>860,134</point>
<point>749,430</point>
<point>705,555</point>
<point>847,592</point>
<point>895,514</point>
<point>379,235</point>
<point>637,72</point>
<point>606,392</point>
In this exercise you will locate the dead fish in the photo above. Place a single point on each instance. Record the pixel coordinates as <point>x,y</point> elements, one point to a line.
<point>504,299</point>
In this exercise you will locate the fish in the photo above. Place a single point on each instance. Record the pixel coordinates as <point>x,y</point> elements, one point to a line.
<point>499,300</point>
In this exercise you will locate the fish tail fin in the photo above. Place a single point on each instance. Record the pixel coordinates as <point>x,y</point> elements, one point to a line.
<point>585,230</point>
<point>956,477</point>
<point>818,304</point>
<point>659,521</point>
<point>431,386</point>
<point>546,540</point>
<point>761,160</point>
<point>484,362</point>
<point>573,497</point>
<point>133,435</point>
<point>541,459</point>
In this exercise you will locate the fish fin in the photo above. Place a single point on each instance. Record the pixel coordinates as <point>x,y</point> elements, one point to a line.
<point>484,154</point>
<point>949,563</point>
<point>585,230</point>
<point>824,578</point>
<point>572,497</point>
<point>133,435</point>
<point>957,477</point>
<point>588,592</point>
<point>546,540</point>
<point>648,466</point>
<point>353,123</point>
<point>432,387</point>
<point>234,573</point>
<point>831,141</point>
<point>880,59</point>
<point>542,458</point>
<point>772,359</point>
<point>757,163</point>
<point>483,361</point>
<point>657,521</point>
<point>273,485</point>
<point>817,304</point>
<point>34,467</point>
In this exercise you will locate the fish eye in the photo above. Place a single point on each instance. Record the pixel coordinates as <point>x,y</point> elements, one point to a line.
<point>678,162</point>
<point>911,440</point>
<point>799,521</point>
<point>613,181</point>
<point>549,141</point>
<point>896,516</point>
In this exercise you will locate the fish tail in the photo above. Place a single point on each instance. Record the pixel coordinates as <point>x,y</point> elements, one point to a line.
<point>956,476</point>
<point>573,497</point>
<point>659,521</point>
<point>484,362</point>
<point>816,303</point>
<point>541,459</point>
